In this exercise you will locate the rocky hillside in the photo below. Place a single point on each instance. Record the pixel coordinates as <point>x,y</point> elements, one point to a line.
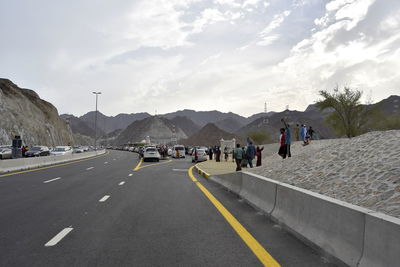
<point>160,130</point>
<point>203,117</point>
<point>229,125</point>
<point>186,124</point>
<point>78,126</point>
<point>111,123</point>
<point>210,135</point>
<point>23,113</point>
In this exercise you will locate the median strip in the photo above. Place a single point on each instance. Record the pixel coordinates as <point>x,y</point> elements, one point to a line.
<point>263,256</point>
<point>58,237</point>
<point>51,180</point>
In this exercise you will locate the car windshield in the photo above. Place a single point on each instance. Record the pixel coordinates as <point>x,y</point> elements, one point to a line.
<point>36,148</point>
<point>59,149</point>
<point>179,148</point>
<point>151,150</point>
<point>201,151</point>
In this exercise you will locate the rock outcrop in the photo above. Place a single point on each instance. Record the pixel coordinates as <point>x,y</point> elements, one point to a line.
<point>210,135</point>
<point>24,113</point>
<point>158,129</point>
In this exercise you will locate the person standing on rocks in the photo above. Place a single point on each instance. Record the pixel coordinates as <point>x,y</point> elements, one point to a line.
<point>288,137</point>
<point>238,156</point>
<point>250,153</point>
<point>282,141</point>
<point>259,155</point>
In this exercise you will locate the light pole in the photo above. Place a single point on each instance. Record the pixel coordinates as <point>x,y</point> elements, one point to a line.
<point>95,122</point>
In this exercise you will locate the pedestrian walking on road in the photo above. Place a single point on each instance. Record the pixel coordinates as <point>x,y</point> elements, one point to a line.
<point>226,153</point>
<point>210,153</point>
<point>282,141</point>
<point>259,155</point>
<point>238,156</point>
<point>244,158</point>
<point>250,153</point>
<point>217,154</point>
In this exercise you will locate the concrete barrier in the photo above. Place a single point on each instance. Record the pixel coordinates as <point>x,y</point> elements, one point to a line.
<point>350,234</point>
<point>334,226</point>
<point>382,241</point>
<point>36,162</point>
<point>260,192</point>
<point>231,181</point>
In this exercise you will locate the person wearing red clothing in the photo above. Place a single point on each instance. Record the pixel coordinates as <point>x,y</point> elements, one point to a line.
<point>282,140</point>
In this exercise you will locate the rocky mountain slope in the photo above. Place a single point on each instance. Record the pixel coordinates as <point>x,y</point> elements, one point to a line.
<point>229,125</point>
<point>203,117</point>
<point>78,126</point>
<point>186,124</point>
<point>111,123</point>
<point>210,135</point>
<point>23,113</point>
<point>160,130</point>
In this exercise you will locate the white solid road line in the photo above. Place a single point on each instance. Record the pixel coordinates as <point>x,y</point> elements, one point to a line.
<point>130,174</point>
<point>106,162</point>
<point>89,168</point>
<point>121,183</point>
<point>51,180</point>
<point>104,198</point>
<point>58,237</point>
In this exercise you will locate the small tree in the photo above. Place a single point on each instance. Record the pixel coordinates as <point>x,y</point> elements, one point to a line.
<point>349,116</point>
<point>259,137</point>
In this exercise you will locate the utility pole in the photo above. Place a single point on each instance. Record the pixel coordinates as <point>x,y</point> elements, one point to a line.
<point>95,122</point>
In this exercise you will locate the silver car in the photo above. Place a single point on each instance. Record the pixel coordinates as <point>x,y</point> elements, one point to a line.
<point>5,153</point>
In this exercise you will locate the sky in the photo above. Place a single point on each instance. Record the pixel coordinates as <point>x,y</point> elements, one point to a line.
<point>227,55</point>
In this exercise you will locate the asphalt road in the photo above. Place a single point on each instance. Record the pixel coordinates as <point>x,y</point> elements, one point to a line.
<point>100,212</point>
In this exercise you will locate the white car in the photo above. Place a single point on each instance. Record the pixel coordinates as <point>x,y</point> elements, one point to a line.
<point>201,155</point>
<point>61,150</point>
<point>178,151</point>
<point>78,149</point>
<point>151,153</point>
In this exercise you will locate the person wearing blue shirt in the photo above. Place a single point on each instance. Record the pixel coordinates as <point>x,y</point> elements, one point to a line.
<point>288,139</point>
<point>251,153</point>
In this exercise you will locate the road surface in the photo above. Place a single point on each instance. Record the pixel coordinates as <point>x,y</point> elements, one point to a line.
<point>111,211</point>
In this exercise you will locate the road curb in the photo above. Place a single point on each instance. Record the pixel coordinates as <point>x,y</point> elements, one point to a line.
<point>201,172</point>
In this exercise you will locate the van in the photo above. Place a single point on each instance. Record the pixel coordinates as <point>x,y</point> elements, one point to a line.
<point>178,151</point>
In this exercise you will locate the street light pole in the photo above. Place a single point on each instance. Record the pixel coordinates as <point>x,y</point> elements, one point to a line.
<point>95,122</point>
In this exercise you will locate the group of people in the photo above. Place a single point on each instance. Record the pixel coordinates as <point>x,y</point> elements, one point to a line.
<point>244,156</point>
<point>285,138</point>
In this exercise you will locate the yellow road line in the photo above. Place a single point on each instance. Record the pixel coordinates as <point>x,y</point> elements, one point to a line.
<point>265,258</point>
<point>138,165</point>
<point>54,166</point>
<point>154,164</point>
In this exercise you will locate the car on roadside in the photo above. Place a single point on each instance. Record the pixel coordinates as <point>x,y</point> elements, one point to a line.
<point>201,155</point>
<point>151,153</point>
<point>37,151</point>
<point>61,150</point>
<point>5,153</point>
<point>78,149</point>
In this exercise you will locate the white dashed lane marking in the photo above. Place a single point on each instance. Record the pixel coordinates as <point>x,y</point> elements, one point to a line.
<point>103,199</point>
<point>130,174</point>
<point>89,168</point>
<point>106,162</point>
<point>51,180</point>
<point>121,183</point>
<point>58,237</point>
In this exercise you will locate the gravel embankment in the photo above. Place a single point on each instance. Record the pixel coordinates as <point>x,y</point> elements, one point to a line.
<point>364,170</point>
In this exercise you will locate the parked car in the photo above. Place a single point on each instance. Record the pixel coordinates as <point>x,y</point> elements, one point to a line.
<point>5,153</point>
<point>37,151</point>
<point>151,153</point>
<point>61,150</point>
<point>201,155</point>
<point>79,149</point>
